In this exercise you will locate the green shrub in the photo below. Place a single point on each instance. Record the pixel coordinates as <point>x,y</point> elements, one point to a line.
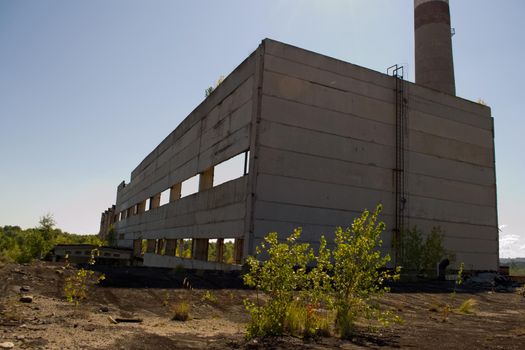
<point>77,286</point>
<point>301,302</point>
<point>359,274</point>
<point>422,255</point>
<point>279,276</point>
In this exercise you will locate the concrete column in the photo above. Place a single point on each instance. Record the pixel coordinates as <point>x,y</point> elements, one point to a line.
<point>152,246</point>
<point>175,192</point>
<point>141,207</point>
<point>137,247</point>
<point>206,179</point>
<point>171,247</point>
<point>219,250</point>
<point>154,202</point>
<point>433,45</point>
<point>237,250</point>
<point>200,249</point>
<point>129,212</point>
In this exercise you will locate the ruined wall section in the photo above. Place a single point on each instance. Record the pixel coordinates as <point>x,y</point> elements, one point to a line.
<point>326,147</point>
<point>218,129</point>
<point>451,179</point>
<point>327,150</point>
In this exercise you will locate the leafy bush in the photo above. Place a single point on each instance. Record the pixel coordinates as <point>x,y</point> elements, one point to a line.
<point>282,273</point>
<point>422,255</point>
<point>76,288</point>
<point>302,302</point>
<point>358,273</point>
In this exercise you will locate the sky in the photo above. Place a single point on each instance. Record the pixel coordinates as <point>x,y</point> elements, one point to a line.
<point>89,88</point>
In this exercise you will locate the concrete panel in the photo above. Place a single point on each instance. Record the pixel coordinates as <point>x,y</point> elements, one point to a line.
<point>326,63</point>
<point>451,112</point>
<point>308,93</point>
<point>425,186</point>
<point>314,118</point>
<point>323,77</point>
<point>320,195</point>
<point>445,128</point>
<point>441,210</point>
<point>310,167</point>
<point>455,230</point>
<point>325,145</point>
<point>450,169</point>
<point>451,149</point>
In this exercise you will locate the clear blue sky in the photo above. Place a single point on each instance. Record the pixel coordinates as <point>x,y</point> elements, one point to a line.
<point>88,88</point>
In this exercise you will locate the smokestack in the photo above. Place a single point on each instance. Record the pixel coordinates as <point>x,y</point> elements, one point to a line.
<point>433,45</point>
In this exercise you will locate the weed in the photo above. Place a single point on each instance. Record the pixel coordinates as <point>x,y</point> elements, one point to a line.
<point>208,296</point>
<point>77,286</point>
<point>467,307</point>
<point>181,311</point>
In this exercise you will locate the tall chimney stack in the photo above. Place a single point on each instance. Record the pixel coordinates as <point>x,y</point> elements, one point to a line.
<point>433,45</point>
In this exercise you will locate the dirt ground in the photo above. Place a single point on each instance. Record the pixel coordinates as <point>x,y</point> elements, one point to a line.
<point>218,318</point>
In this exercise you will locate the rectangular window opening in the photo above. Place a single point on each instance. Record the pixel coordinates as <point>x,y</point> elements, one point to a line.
<point>190,186</point>
<point>147,204</point>
<point>231,169</point>
<point>165,197</point>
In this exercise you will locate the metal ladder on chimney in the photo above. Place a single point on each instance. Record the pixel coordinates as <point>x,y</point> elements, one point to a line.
<point>399,170</point>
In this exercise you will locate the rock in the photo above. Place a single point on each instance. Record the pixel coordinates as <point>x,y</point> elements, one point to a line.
<point>25,289</point>
<point>26,299</point>
<point>7,345</point>
<point>59,272</point>
<point>104,309</point>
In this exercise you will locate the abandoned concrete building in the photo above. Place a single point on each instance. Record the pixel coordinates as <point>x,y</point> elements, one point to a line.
<point>320,140</point>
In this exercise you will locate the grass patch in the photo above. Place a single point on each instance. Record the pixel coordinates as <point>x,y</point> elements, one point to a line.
<point>181,311</point>
<point>468,306</point>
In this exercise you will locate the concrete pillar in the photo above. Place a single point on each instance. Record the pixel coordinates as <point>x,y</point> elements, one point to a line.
<point>154,202</point>
<point>171,247</point>
<point>237,250</point>
<point>137,247</point>
<point>200,249</point>
<point>141,207</point>
<point>219,250</point>
<point>152,246</point>
<point>175,192</point>
<point>206,179</point>
<point>433,45</point>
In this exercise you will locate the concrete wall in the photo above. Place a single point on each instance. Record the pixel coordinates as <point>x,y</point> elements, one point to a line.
<point>326,150</point>
<point>218,129</point>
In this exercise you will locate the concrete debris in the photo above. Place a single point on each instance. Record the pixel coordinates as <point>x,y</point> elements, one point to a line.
<point>25,289</point>
<point>7,345</point>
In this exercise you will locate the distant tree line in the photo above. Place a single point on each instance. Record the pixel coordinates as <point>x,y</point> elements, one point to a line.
<point>22,246</point>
